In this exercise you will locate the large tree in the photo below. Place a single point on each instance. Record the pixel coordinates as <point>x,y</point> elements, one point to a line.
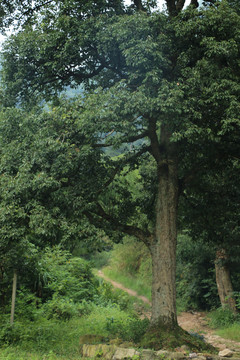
<point>170,80</point>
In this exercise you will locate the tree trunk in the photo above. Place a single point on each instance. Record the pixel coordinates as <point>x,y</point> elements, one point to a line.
<point>163,249</point>
<point>223,280</point>
<point>14,289</point>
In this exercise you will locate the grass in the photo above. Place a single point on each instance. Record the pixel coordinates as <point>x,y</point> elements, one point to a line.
<point>15,352</point>
<point>129,282</point>
<point>54,339</point>
<point>225,323</point>
<point>232,332</point>
<point>45,339</point>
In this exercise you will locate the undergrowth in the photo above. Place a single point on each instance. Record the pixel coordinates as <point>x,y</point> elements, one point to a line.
<point>61,338</point>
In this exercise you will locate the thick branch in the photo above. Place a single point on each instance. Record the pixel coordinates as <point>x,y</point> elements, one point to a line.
<point>30,11</point>
<point>180,5</point>
<point>171,7</point>
<point>194,3</point>
<point>139,5</point>
<point>144,236</point>
<point>137,137</point>
<point>110,180</point>
<point>82,76</point>
<point>130,139</point>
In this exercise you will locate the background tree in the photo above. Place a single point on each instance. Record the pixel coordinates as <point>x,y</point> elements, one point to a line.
<point>39,187</point>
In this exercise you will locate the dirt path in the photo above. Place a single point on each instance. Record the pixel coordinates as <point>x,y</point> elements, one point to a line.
<point>193,322</point>
<point>120,286</point>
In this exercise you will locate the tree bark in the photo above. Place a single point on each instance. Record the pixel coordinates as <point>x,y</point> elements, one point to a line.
<point>14,289</point>
<point>223,280</point>
<point>163,248</point>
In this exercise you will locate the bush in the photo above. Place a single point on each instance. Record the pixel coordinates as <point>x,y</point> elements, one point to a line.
<point>65,308</point>
<point>10,334</point>
<point>112,322</point>
<point>132,329</point>
<point>67,276</point>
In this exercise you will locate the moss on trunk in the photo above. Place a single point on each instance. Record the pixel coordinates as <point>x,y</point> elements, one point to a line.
<point>159,337</point>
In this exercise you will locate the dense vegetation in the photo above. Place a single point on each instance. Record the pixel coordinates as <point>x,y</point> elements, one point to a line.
<point>145,150</point>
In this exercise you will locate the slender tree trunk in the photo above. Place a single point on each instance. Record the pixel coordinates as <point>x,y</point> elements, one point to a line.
<point>3,292</point>
<point>163,249</point>
<point>14,289</point>
<point>223,280</point>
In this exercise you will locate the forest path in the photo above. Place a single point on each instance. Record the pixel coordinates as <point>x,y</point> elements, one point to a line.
<point>193,322</point>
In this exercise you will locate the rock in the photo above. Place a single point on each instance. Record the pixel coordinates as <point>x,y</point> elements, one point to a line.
<point>212,357</point>
<point>161,352</point>
<point>122,353</point>
<point>100,350</point>
<point>90,350</point>
<point>226,353</point>
<point>91,339</point>
<point>192,355</point>
<point>183,349</point>
<point>170,355</point>
<point>147,354</point>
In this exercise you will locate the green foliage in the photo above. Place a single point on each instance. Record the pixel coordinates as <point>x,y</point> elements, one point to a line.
<point>67,276</point>
<point>112,322</point>
<point>64,308</point>
<point>27,304</point>
<point>132,329</point>
<point>61,338</point>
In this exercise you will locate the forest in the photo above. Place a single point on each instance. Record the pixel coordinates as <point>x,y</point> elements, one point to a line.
<point>119,161</point>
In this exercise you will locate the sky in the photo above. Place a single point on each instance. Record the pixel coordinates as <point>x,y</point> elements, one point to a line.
<point>161,3</point>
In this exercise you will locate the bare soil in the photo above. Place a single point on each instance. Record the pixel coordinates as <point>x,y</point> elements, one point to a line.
<point>193,322</point>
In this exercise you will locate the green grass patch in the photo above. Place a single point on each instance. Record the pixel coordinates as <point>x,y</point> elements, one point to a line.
<point>223,318</point>
<point>57,339</point>
<point>129,282</point>
<point>231,332</point>
<point>226,323</point>
<point>15,352</point>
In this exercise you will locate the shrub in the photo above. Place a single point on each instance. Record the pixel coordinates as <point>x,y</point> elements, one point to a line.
<point>65,308</point>
<point>10,334</point>
<point>132,329</point>
<point>67,276</point>
<point>112,322</point>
